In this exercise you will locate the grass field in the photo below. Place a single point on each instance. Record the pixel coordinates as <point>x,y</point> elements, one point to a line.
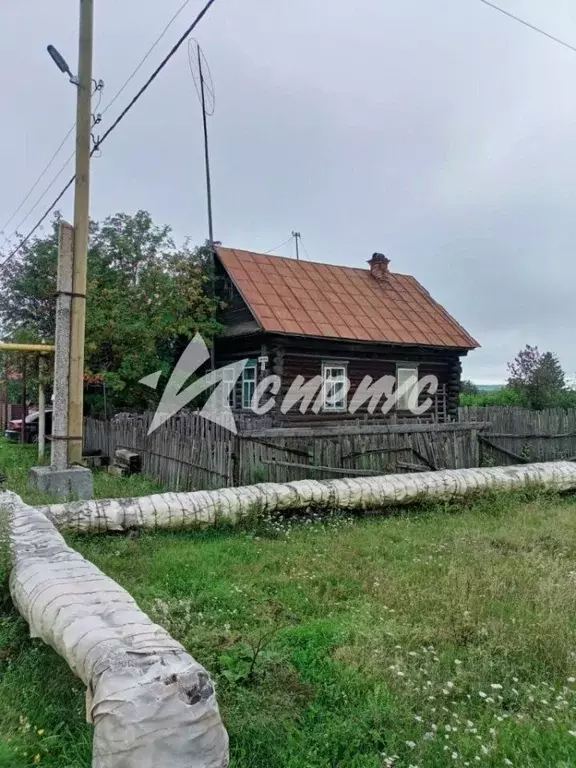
<point>445,637</point>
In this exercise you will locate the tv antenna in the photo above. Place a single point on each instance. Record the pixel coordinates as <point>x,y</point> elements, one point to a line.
<point>200,70</point>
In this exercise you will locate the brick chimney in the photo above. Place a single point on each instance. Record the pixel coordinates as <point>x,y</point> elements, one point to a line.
<point>379,267</point>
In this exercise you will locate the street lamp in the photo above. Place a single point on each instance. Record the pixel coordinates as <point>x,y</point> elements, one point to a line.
<point>62,64</point>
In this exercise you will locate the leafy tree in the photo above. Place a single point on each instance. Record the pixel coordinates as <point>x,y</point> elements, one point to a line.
<point>538,378</point>
<point>27,290</point>
<point>146,299</point>
<point>468,388</point>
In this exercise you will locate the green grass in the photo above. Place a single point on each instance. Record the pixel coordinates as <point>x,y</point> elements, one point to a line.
<point>38,692</point>
<point>442,637</point>
<point>16,461</point>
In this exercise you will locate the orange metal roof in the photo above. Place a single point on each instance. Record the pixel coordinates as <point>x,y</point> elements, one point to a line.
<point>324,300</point>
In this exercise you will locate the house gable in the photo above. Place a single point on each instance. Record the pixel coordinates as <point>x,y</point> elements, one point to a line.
<point>237,317</point>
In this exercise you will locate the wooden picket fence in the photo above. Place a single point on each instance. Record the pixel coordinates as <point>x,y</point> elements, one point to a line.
<point>188,452</point>
<point>191,452</point>
<point>294,453</point>
<point>518,435</point>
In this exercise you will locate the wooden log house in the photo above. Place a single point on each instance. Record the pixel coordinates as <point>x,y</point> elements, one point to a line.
<point>299,318</point>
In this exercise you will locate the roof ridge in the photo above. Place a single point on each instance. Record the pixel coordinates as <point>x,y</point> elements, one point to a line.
<point>333,302</point>
<point>292,260</point>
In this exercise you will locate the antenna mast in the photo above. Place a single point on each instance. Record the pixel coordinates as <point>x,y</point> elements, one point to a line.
<point>297,236</point>
<point>205,90</point>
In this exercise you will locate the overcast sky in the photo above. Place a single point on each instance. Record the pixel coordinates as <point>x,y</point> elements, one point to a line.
<point>440,133</point>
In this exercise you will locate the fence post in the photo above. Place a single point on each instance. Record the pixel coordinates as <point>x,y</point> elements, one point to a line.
<point>236,460</point>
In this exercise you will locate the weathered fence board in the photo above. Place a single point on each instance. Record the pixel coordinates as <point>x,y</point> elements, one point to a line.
<point>520,435</point>
<point>275,455</point>
<point>186,453</point>
<point>189,452</point>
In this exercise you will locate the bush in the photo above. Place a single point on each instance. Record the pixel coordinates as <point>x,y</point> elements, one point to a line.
<point>505,396</point>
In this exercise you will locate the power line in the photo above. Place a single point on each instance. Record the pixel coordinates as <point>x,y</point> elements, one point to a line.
<point>37,182</point>
<point>98,90</point>
<point>280,246</point>
<point>43,195</point>
<point>305,249</point>
<point>155,74</point>
<point>118,120</point>
<point>37,226</point>
<point>530,26</point>
<point>146,56</point>
<point>57,152</point>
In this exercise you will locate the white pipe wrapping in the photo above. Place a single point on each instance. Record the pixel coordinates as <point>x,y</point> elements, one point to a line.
<point>181,510</point>
<point>150,702</point>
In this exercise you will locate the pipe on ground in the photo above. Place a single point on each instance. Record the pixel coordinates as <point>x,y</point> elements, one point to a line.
<point>185,510</point>
<point>150,702</point>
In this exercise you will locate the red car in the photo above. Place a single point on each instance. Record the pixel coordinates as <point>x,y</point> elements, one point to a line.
<point>14,431</point>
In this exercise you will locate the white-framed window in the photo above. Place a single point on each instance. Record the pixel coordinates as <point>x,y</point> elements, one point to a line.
<point>406,384</point>
<point>229,381</point>
<point>248,384</point>
<point>334,386</point>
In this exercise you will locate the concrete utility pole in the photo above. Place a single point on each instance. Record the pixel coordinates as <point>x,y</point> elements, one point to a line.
<point>59,455</point>
<point>81,227</point>
<point>41,409</point>
<point>65,477</point>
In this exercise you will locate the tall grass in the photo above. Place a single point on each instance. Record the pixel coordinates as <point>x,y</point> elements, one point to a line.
<point>441,637</point>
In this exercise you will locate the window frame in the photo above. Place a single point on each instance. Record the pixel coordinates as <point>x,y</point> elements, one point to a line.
<point>328,365</point>
<point>251,366</point>
<point>403,403</point>
<point>230,380</point>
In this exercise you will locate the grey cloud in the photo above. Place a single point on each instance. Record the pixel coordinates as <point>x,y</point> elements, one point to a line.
<point>440,133</point>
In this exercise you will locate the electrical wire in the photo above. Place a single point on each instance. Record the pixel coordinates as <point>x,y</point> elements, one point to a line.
<point>155,74</point>
<point>117,122</point>
<point>305,249</point>
<point>36,183</point>
<point>98,90</point>
<point>146,56</point>
<point>280,246</point>
<point>530,26</point>
<point>57,152</point>
<point>37,226</point>
<point>43,195</point>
